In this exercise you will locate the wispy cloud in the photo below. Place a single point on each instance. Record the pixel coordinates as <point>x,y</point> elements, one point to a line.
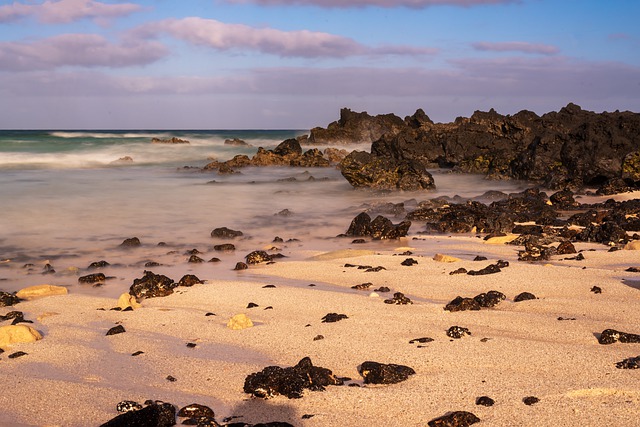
<point>302,43</point>
<point>415,4</point>
<point>514,46</point>
<point>83,50</point>
<point>65,11</point>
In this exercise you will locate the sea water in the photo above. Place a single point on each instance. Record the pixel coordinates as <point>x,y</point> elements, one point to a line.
<point>68,200</point>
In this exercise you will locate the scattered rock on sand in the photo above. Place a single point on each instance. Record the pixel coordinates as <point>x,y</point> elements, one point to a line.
<point>530,400</point>
<point>256,257</point>
<point>610,336</point>
<point>462,304</point>
<point>490,269</point>
<point>7,299</point>
<point>152,286</point>
<point>116,330</point>
<point>13,334</point>
<point>630,363</point>
<point>485,401</point>
<point>490,299</point>
<point>39,291</point>
<point>457,332</point>
<point>240,266</point>
<point>189,280</point>
<point>398,299</point>
<point>156,415</point>
<point>524,296</point>
<point>333,317</point>
<point>291,381</point>
<point>380,373</point>
<point>445,258</point>
<point>239,321</point>
<point>455,419</point>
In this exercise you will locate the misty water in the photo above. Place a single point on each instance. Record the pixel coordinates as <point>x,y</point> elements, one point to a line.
<point>66,201</point>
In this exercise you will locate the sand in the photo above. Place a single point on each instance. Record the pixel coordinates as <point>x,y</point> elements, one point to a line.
<point>76,375</point>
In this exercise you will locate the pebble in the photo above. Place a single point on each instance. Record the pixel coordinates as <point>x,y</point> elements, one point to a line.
<point>381,373</point>
<point>524,296</point>
<point>17,354</point>
<point>485,401</point>
<point>457,332</point>
<point>398,299</point>
<point>116,330</point>
<point>333,317</point>
<point>127,406</point>
<point>455,419</point>
<point>196,410</point>
<point>530,400</point>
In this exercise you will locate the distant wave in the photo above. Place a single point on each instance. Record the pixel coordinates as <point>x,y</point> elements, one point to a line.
<point>104,135</point>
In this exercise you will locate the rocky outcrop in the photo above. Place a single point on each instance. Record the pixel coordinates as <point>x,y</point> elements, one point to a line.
<point>355,127</point>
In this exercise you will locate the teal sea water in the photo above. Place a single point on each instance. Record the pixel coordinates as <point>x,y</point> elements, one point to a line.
<point>68,200</point>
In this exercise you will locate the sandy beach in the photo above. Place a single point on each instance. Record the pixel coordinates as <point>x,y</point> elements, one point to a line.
<point>547,347</point>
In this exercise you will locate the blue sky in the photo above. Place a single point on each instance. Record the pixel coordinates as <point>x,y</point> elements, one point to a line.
<point>225,64</point>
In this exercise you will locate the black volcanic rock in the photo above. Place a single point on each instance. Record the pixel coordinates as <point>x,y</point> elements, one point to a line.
<point>380,228</point>
<point>380,373</point>
<point>154,415</point>
<point>353,127</point>
<point>152,285</point>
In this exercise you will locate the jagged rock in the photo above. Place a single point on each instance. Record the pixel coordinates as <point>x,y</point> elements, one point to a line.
<point>39,291</point>
<point>490,269</point>
<point>563,199</point>
<point>380,228</point>
<point>398,299</point>
<point>116,330</point>
<point>189,280</point>
<point>154,415</point>
<point>524,296</point>
<point>256,257</point>
<point>353,127</point>
<point>236,142</point>
<point>362,169</point>
<point>380,373</point>
<point>291,381</point>
<point>152,286</point>
<point>226,233</point>
<point>457,332</point>
<point>630,363</point>
<point>455,419</point>
<point>607,232</point>
<point>610,336</point>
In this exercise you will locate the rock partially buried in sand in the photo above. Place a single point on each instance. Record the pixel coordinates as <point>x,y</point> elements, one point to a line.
<point>445,258</point>
<point>381,373</point>
<point>455,419</point>
<point>156,415</point>
<point>40,291</point>
<point>291,381</point>
<point>13,334</point>
<point>239,321</point>
<point>127,300</point>
<point>610,336</point>
<point>630,363</point>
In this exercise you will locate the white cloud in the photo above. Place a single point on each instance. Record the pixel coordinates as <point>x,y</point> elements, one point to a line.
<point>515,46</point>
<point>83,50</point>
<point>65,11</point>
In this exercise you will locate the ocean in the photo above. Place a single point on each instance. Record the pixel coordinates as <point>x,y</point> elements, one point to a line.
<point>68,201</point>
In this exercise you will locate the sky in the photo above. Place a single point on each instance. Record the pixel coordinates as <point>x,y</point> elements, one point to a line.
<point>292,64</point>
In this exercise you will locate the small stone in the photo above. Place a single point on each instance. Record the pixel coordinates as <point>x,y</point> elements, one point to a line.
<point>130,243</point>
<point>596,290</point>
<point>565,247</point>
<point>524,296</point>
<point>196,410</point>
<point>189,280</point>
<point>485,401</point>
<point>530,400</point>
<point>380,373</point>
<point>455,419</point>
<point>116,330</point>
<point>490,299</point>
<point>195,259</point>
<point>171,379</point>
<point>269,286</point>
<point>445,258</point>
<point>610,336</point>
<point>127,406</point>
<point>382,289</point>
<point>480,258</point>
<point>191,345</point>
<point>239,321</point>
<point>17,354</point>
<point>137,353</point>
<point>409,262</point>
<point>374,269</point>
<point>92,278</point>
<point>398,299</point>
<point>98,264</point>
<point>630,363</point>
<point>241,266</point>
<point>7,299</point>
<point>362,286</point>
<point>12,334</point>
<point>38,291</point>
<point>318,337</point>
<point>226,233</point>
<point>490,269</point>
<point>256,257</point>
<point>462,304</point>
<point>252,305</point>
<point>226,247</point>
<point>458,271</point>
<point>333,317</point>
<point>457,332</point>
<point>307,416</point>
<point>633,269</point>
<point>421,340</point>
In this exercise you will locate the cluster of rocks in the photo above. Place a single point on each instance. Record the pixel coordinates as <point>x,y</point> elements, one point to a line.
<point>484,300</point>
<point>153,285</point>
<point>288,153</point>
<point>569,148</point>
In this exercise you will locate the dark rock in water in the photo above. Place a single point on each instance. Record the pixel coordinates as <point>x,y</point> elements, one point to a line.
<point>172,140</point>
<point>98,264</point>
<point>237,142</point>
<point>152,286</point>
<point>116,330</point>
<point>630,363</point>
<point>524,296</point>
<point>128,406</point>
<point>490,269</point>
<point>7,299</point>
<point>530,400</point>
<point>358,241</point>
<point>461,304</point>
<point>380,228</point>
<point>360,225</point>
<point>354,127</point>
<point>195,259</point>
<point>380,373</point>
<point>154,415</point>
<point>196,410</point>
<point>291,381</point>
<point>225,233</point>
<point>565,247</point>
<point>398,299</point>
<point>364,169</point>
<point>485,401</point>
<point>490,299</point>
<point>226,247</point>
<point>455,419</point>
<point>92,278</point>
<point>596,290</point>
<point>256,257</point>
<point>17,354</point>
<point>130,243</point>
<point>409,262</point>
<point>610,336</point>
<point>189,280</point>
<point>240,266</point>
<point>333,317</point>
<point>152,264</point>
<point>457,332</point>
